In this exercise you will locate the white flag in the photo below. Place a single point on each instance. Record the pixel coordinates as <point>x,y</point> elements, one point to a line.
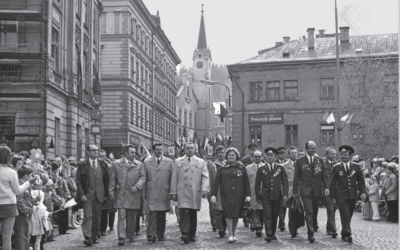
<point>347,118</point>
<point>330,118</point>
<point>205,143</point>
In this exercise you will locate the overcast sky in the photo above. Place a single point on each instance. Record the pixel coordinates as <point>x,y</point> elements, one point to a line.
<point>237,29</point>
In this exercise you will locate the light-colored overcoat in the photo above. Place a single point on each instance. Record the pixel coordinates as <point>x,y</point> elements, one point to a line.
<point>126,176</point>
<point>158,183</point>
<point>252,173</point>
<point>188,180</point>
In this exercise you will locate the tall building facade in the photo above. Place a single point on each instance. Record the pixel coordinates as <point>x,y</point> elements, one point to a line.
<point>202,62</point>
<point>138,78</point>
<point>282,93</point>
<point>42,45</point>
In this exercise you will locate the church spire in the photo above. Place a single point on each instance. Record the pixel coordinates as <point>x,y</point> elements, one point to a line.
<point>202,42</point>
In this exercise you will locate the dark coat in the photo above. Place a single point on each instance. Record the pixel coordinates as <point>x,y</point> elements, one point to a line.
<point>344,184</point>
<point>83,178</point>
<point>235,187</point>
<point>296,215</point>
<point>275,184</point>
<point>24,201</point>
<point>247,160</point>
<point>310,179</point>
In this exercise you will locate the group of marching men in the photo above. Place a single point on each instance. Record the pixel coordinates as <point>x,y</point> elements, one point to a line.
<point>268,184</point>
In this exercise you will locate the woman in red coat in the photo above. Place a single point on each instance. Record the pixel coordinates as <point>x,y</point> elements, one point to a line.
<point>234,183</point>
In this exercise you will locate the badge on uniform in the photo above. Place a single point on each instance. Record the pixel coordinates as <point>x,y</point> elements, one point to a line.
<point>264,172</point>
<point>239,173</point>
<point>340,173</point>
<point>305,166</point>
<point>277,172</point>
<point>352,173</point>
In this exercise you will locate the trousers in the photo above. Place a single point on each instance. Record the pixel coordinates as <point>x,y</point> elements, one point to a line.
<point>271,212</point>
<point>127,222</point>
<point>188,221</point>
<point>330,212</point>
<point>157,222</point>
<point>257,218</point>
<point>282,215</point>
<point>310,204</point>
<point>91,218</point>
<point>107,219</point>
<point>221,222</point>
<point>346,209</point>
<point>21,230</point>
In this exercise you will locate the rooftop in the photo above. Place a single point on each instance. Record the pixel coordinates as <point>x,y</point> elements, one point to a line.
<point>325,48</point>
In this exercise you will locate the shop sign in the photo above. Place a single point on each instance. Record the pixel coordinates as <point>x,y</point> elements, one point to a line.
<point>95,129</point>
<point>134,140</point>
<point>266,118</point>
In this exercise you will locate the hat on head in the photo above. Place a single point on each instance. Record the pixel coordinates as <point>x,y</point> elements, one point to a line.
<point>257,153</point>
<point>384,163</point>
<point>281,150</point>
<point>381,159</point>
<point>271,150</point>
<point>252,145</point>
<point>346,148</point>
<point>395,158</point>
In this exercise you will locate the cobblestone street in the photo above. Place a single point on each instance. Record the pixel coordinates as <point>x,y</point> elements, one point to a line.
<point>366,235</point>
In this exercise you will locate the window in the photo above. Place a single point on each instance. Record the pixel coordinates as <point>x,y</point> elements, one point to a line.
<point>133,26</point>
<point>78,8</point>
<point>180,116</point>
<point>137,34</point>
<point>195,118</point>
<point>137,73</point>
<point>137,113</point>
<point>86,19</point>
<point>187,91</point>
<point>256,90</point>
<point>150,120</point>
<point>55,54</point>
<point>132,69</point>
<point>185,118</point>
<point>291,135</point>
<point>145,118</point>
<point>327,88</point>
<point>57,137</point>
<point>141,116</point>
<point>273,91</point>
<point>290,90</point>
<point>132,112</point>
<point>86,82</point>
<point>328,134</point>
<point>255,135</point>
<point>87,137</point>
<point>8,34</point>
<point>141,77</point>
<point>95,26</point>
<point>7,128</point>
<point>190,119</point>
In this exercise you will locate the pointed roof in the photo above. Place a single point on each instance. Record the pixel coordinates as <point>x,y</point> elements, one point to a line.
<point>202,42</point>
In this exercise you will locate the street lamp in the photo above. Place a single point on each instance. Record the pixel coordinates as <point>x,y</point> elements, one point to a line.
<point>211,83</point>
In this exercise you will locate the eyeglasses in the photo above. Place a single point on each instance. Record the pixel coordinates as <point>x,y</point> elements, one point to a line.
<point>94,150</point>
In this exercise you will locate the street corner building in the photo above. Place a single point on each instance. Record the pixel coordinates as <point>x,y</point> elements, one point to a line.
<point>138,66</point>
<point>49,56</point>
<point>281,95</point>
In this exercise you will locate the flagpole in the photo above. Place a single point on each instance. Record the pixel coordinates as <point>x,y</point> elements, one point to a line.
<point>339,111</point>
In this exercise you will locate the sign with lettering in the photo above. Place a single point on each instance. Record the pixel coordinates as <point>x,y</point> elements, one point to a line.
<point>134,140</point>
<point>95,129</point>
<point>266,119</point>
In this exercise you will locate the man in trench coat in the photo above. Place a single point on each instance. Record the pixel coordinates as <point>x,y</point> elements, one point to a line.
<point>189,183</point>
<point>127,179</point>
<point>158,171</point>
<point>257,209</point>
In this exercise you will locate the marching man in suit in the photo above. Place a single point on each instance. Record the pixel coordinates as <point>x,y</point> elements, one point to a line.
<point>158,171</point>
<point>310,176</point>
<point>289,168</point>
<point>220,217</point>
<point>257,217</point>
<point>346,178</point>
<point>188,185</point>
<point>270,188</point>
<point>92,189</point>
<point>330,161</point>
<point>127,179</point>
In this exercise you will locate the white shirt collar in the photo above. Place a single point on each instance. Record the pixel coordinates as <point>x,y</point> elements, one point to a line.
<point>91,161</point>
<point>309,157</point>
<point>127,161</point>
<point>158,158</point>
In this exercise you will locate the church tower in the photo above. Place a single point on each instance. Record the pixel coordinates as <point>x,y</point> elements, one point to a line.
<point>202,62</point>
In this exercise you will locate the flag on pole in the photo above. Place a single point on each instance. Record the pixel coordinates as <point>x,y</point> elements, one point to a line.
<point>329,119</point>
<point>177,144</point>
<point>145,149</point>
<point>205,143</point>
<point>347,118</point>
<point>224,112</point>
<point>326,115</point>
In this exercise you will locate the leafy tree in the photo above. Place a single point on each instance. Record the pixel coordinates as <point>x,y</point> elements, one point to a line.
<point>370,92</point>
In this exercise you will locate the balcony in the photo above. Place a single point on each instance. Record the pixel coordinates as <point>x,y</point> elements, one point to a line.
<point>20,15</point>
<point>20,51</point>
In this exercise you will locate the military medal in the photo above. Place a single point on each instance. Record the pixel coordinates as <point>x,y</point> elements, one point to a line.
<point>340,173</point>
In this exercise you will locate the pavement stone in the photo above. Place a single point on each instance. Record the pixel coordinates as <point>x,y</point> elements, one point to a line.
<point>366,235</point>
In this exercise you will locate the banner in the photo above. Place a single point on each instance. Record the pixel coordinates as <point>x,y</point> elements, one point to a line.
<point>266,119</point>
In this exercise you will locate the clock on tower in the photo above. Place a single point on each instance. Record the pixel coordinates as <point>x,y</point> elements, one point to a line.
<point>199,64</point>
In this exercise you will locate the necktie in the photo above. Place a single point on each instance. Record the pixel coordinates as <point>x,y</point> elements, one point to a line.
<point>345,168</point>
<point>158,161</point>
<point>189,159</point>
<point>94,164</point>
<point>269,166</point>
<point>311,160</point>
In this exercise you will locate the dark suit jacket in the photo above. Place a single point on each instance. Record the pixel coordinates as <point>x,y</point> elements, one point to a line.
<point>310,179</point>
<point>344,184</point>
<point>275,184</point>
<point>83,178</point>
<point>329,167</point>
<point>247,160</point>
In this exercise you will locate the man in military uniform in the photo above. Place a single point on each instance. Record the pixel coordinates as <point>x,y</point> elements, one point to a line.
<point>289,168</point>
<point>346,178</point>
<point>310,177</point>
<point>330,161</point>
<point>280,158</point>
<point>256,209</point>
<point>247,160</point>
<point>271,187</point>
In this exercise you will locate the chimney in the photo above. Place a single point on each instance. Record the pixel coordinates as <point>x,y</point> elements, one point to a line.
<point>344,34</point>
<point>286,39</point>
<point>277,44</point>
<point>310,32</point>
<point>321,33</point>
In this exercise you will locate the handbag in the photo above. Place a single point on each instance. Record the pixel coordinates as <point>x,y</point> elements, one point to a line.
<point>246,212</point>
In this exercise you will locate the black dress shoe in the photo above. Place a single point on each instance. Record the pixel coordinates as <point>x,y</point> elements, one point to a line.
<point>334,235</point>
<point>63,232</point>
<point>329,232</point>
<point>103,234</point>
<point>221,234</point>
<point>111,229</point>
<point>343,238</point>
<point>71,227</point>
<point>121,242</point>
<point>88,242</point>
<point>282,229</point>
<point>94,241</point>
<point>246,224</point>
<point>274,237</point>
<point>185,239</point>
<point>161,239</point>
<point>252,229</point>
<point>316,228</point>
<point>311,238</point>
<point>349,239</point>
<point>154,239</point>
<point>192,239</point>
<point>132,240</point>
<point>214,229</point>
<point>268,238</point>
<point>258,233</point>
<point>98,236</point>
<point>149,238</point>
